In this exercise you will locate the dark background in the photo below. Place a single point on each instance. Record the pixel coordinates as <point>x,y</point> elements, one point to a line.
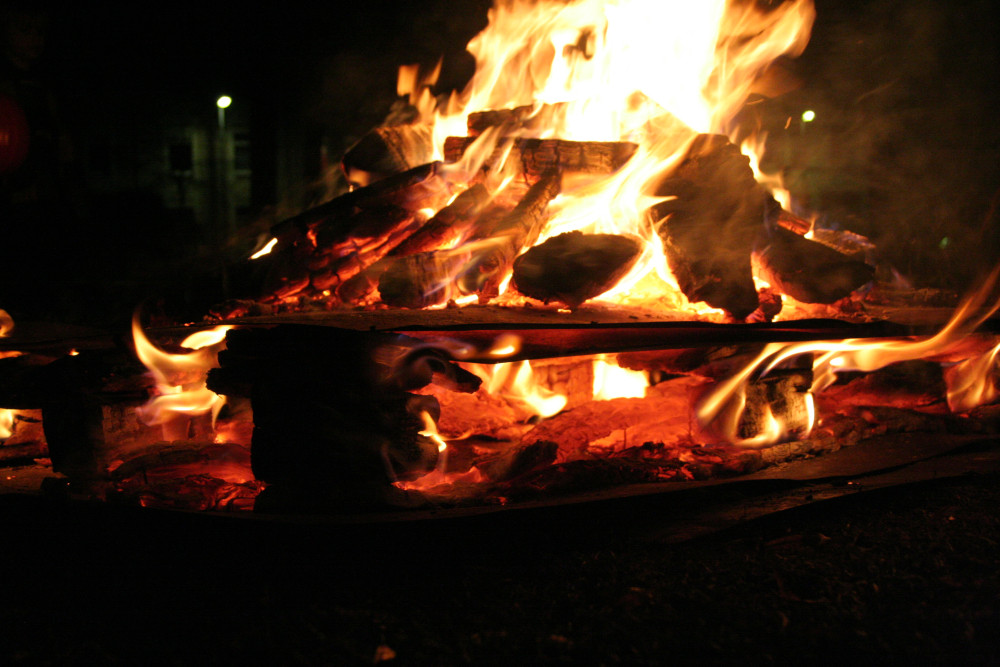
<point>904,148</point>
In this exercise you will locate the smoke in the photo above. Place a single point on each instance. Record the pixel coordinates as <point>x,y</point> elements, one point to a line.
<point>904,147</point>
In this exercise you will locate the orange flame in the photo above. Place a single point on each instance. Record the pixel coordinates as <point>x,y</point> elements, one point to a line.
<point>724,406</point>
<point>180,379</point>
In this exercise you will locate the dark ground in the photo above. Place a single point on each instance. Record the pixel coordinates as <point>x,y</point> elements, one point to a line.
<point>904,575</point>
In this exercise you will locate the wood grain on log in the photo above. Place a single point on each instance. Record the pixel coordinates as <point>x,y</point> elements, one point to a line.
<point>537,156</point>
<point>573,267</point>
<point>531,118</point>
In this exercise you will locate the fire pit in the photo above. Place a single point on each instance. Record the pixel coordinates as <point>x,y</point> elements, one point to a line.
<point>572,276</point>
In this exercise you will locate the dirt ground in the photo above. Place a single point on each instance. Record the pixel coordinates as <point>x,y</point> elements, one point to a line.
<point>905,575</point>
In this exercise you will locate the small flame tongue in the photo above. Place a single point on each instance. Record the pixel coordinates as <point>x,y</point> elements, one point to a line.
<point>180,379</point>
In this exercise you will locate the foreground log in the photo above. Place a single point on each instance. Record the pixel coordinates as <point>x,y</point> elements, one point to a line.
<point>330,406</point>
<point>535,157</point>
<point>708,230</point>
<point>386,151</point>
<point>806,270</point>
<point>571,268</point>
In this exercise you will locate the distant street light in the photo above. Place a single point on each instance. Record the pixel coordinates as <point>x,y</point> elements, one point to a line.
<point>223,103</point>
<point>808,115</point>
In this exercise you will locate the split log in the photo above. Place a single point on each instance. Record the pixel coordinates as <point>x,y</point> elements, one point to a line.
<point>386,151</point>
<point>449,225</point>
<point>525,119</point>
<point>571,268</point>
<point>348,266</point>
<point>708,230</point>
<point>806,270</point>
<point>538,156</point>
<point>478,266</point>
<point>781,395</point>
<point>411,190</point>
<point>517,231</point>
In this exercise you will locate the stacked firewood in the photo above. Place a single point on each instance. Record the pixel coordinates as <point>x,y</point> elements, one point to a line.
<point>378,243</point>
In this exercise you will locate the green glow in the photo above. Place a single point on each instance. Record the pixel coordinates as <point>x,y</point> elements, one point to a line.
<point>808,116</point>
<point>224,102</point>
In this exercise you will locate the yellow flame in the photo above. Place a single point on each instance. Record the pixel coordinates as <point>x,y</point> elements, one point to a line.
<point>613,381</point>
<point>180,379</point>
<point>265,250</point>
<point>972,382</point>
<point>725,404</point>
<point>515,381</point>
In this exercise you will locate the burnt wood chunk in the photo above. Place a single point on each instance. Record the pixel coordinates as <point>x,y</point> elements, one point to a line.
<point>708,229</point>
<point>387,150</point>
<point>515,232</point>
<point>806,270</point>
<point>573,267</point>
<point>537,156</point>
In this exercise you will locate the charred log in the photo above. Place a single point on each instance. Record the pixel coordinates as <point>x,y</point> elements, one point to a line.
<point>709,228</point>
<point>528,118</point>
<point>450,224</point>
<point>517,231</point>
<point>573,267</point>
<point>538,156</point>
<point>806,270</point>
<point>386,151</point>
<point>410,190</point>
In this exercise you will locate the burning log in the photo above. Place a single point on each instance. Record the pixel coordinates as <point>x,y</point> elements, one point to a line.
<point>536,157</point>
<point>429,278</point>
<point>573,267</point>
<point>806,270</point>
<point>350,263</point>
<point>412,189</point>
<point>387,150</point>
<point>517,231</point>
<point>530,118</point>
<point>708,230</point>
<point>449,225</point>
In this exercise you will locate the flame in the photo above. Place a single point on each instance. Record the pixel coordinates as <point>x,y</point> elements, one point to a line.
<point>6,416</point>
<point>180,379</point>
<point>972,382</point>
<point>969,383</point>
<point>266,250</point>
<point>516,382</point>
<point>651,72</point>
<point>613,381</point>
